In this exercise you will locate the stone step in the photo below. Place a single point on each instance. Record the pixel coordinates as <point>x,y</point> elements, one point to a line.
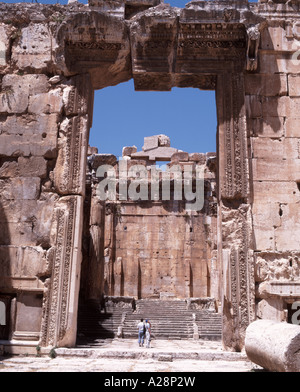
<point>169,320</point>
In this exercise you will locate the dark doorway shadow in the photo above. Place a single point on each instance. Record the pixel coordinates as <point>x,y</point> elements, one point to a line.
<point>6,295</point>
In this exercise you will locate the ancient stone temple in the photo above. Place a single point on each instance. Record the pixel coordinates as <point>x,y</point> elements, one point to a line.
<point>59,243</point>
<point>152,247</point>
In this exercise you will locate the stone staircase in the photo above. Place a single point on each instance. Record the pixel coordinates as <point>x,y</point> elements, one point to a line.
<point>209,325</point>
<point>95,324</point>
<point>170,320</point>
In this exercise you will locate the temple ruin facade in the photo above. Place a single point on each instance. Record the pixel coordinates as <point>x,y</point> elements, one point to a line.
<point>58,242</point>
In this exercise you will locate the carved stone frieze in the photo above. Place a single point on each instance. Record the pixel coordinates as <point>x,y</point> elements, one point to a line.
<point>277,266</point>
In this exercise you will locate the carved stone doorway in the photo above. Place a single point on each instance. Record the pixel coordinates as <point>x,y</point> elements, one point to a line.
<point>165,52</point>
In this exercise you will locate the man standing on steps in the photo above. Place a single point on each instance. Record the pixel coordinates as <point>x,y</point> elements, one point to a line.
<point>148,333</point>
<point>141,327</point>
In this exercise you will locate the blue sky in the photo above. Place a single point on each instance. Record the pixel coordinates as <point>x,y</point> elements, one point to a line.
<point>123,117</point>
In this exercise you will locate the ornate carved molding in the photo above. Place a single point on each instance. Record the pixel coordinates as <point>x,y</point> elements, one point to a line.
<point>58,310</point>
<point>56,297</point>
<point>99,45</point>
<point>233,156</point>
<point>206,39</point>
<point>238,272</point>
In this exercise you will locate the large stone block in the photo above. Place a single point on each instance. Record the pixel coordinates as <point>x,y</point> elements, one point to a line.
<point>31,124</point>
<point>127,151</point>
<point>16,90</point>
<point>276,170</point>
<point>51,102</point>
<point>33,49</point>
<point>294,85</point>
<point>180,156</point>
<point>17,145</point>
<point>265,217</point>
<point>282,107</point>
<point>266,127</point>
<point>287,234</point>
<point>253,106</point>
<point>275,192</point>
<point>150,142</point>
<point>270,63</point>
<point>285,148</point>
<point>27,221</point>
<point>22,267</point>
<point>22,261</point>
<point>14,94</point>
<point>292,127</point>
<point>263,147</point>
<point>20,188</point>
<point>24,167</point>
<point>37,83</point>
<point>29,134</point>
<point>4,42</point>
<point>266,85</point>
<point>275,38</point>
<point>271,308</point>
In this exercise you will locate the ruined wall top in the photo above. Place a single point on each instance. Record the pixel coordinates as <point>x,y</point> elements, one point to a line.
<point>118,40</point>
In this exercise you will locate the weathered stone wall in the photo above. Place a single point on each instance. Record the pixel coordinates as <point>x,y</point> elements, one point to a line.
<point>44,127</point>
<point>272,100</point>
<point>151,248</point>
<point>52,57</point>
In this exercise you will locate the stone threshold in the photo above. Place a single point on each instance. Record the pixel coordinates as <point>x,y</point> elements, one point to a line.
<point>151,353</point>
<point>166,350</point>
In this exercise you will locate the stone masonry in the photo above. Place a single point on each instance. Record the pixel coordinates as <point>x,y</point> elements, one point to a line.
<point>52,58</point>
<point>150,248</point>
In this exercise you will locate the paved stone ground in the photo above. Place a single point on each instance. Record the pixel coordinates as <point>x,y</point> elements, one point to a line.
<point>120,356</point>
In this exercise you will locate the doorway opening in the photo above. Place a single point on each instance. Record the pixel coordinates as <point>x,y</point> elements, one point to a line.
<point>150,248</point>
<point>123,117</point>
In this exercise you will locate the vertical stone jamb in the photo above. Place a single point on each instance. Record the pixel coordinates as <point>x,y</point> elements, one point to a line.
<point>235,236</point>
<point>59,323</point>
